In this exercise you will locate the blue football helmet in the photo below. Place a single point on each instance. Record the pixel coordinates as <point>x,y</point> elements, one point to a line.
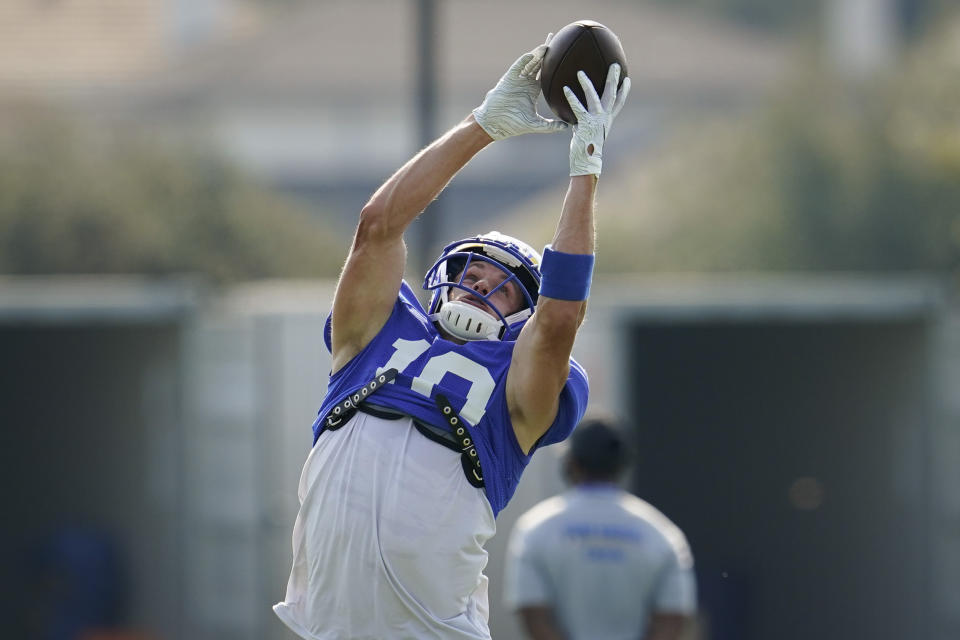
<point>518,261</point>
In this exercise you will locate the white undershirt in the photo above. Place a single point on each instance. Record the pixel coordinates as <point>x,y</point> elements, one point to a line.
<point>389,539</point>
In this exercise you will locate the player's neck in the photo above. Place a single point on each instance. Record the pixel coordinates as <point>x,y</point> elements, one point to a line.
<point>596,485</point>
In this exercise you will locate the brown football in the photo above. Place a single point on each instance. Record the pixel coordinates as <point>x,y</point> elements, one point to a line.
<point>582,45</point>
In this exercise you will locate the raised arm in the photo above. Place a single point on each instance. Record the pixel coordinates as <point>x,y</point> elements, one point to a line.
<point>541,358</point>
<point>371,277</point>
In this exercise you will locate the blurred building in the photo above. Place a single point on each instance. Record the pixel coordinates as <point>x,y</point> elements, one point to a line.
<point>801,430</point>
<point>320,98</point>
<point>58,47</point>
<point>174,423</point>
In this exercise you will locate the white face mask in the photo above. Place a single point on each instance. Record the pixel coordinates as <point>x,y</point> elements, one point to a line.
<point>467,322</point>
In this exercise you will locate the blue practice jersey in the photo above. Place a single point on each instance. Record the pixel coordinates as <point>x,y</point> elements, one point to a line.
<point>472,376</point>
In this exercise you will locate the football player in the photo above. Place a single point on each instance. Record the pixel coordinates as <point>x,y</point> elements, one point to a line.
<point>432,414</point>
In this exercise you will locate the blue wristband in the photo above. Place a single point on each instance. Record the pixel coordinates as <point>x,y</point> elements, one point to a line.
<point>565,276</point>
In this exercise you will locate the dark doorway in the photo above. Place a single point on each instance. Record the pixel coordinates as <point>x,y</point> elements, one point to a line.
<point>794,458</point>
<point>89,461</point>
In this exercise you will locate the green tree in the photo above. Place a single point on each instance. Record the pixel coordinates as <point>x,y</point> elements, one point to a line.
<point>829,176</point>
<point>81,200</point>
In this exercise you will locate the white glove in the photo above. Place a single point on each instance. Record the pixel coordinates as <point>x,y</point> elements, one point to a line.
<point>510,108</point>
<point>594,121</point>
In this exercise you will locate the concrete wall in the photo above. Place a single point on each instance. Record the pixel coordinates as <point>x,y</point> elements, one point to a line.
<point>256,372</point>
<point>944,443</point>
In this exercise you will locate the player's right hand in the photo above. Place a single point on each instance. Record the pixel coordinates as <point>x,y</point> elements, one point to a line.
<point>510,108</point>
<point>594,120</point>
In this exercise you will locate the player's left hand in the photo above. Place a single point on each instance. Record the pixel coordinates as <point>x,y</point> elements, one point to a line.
<point>594,120</point>
<point>510,108</point>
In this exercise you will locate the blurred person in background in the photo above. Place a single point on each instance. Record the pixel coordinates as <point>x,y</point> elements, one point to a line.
<point>597,563</point>
<point>431,415</point>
